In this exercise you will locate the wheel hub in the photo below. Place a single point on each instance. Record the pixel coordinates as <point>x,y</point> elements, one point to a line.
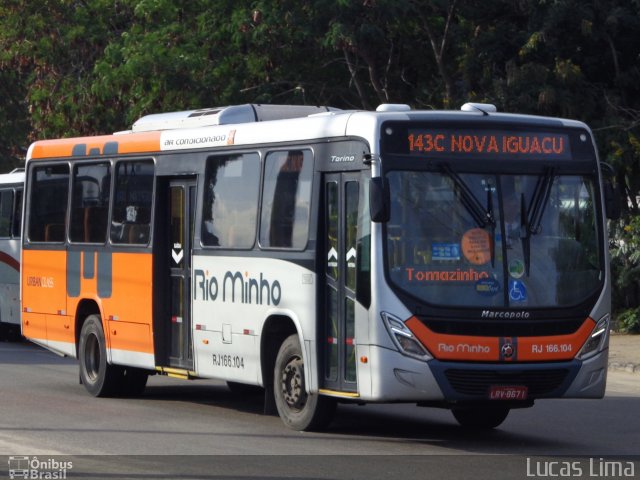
<point>293,384</point>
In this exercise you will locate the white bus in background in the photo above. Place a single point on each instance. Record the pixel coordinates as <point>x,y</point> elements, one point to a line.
<point>11,188</point>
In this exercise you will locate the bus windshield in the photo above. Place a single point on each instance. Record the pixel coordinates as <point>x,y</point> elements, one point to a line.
<point>493,240</point>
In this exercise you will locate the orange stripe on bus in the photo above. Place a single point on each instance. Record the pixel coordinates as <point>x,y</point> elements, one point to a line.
<point>127,143</point>
<point>487,349</point>
<point>455,347</point>
<point>558,347</point>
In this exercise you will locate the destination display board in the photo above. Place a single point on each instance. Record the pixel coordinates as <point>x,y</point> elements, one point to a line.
<point>487,144</point>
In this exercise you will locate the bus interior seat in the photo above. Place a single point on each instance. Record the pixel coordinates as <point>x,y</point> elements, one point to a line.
<point>136,233</point>
<point>54,232</point>
<point>95,219</point>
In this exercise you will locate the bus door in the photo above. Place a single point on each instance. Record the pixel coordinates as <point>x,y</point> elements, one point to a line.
<point>182,204</point>
<point>341,195</point>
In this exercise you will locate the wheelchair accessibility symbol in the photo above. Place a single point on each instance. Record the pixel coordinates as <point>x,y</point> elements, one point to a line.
<point>517,291</point>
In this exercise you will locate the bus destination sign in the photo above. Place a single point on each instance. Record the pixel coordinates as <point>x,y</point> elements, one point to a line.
<point>488,144</point>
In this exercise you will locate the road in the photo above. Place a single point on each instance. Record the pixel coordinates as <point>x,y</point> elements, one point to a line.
<point>44,412</point>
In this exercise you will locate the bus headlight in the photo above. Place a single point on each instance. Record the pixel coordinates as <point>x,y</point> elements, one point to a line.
<point>403,338</point>
<point>596,340</point>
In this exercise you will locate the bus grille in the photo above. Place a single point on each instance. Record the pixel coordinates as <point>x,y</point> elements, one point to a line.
<point>477,382</point>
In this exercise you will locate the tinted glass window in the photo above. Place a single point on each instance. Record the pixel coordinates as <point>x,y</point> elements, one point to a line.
<point>132,202</point>
<point>6,212</point>
<point>440,249</point>
<point>48,205</point>
<point>90,203</point>
<point>363,245</point>
<point>351,229</point>
<point>17,214</point>
<point>286,199</point>
<point>231,201</point>
<point>331,222</point>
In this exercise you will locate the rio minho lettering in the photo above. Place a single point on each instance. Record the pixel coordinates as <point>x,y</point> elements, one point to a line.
<point>236,287</point>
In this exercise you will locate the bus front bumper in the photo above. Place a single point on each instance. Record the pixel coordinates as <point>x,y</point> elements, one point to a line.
<point>404,379</point>
<point>462,381</point>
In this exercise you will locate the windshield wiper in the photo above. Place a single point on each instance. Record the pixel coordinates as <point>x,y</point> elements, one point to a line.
<point>483,217</point>
<point>531,220</point>
<point>489,213</point>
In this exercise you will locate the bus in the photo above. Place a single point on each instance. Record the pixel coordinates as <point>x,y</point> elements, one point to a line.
<point>453,259</point>
<point>11,188</point>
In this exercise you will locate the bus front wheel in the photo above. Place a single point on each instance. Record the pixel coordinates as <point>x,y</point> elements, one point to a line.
<point>298,409</point>
<point>98,377</point>
<point>480,418</point>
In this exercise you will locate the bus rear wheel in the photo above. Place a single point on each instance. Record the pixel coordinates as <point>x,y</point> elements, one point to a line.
<point>98,377</point>
<point>298,409</point>
<point>481,417</point>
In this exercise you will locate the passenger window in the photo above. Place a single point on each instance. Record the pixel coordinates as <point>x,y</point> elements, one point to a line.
<point>90,203</point>
<point>48,205</point>
<point>17,214</point>
<point>286,198</point>
<point>231,201</point>
<point>132,202</point>
<point>6,206</point>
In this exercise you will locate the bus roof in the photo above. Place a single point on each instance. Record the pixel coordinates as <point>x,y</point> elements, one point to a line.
<point>15,177</point>
<point>234,125</point>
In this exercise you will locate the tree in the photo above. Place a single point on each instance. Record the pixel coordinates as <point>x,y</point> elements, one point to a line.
<point>82,67</point>
<point>13,121</point>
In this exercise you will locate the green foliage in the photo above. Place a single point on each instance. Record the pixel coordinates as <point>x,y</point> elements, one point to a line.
<point>628,321</point>
<point>97,65</point>
<point>70,67</point>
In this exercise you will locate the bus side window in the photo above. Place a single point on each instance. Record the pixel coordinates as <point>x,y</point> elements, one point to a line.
<point>132,201</point>
<point>286,198</point>
<point>90,203</point>
<point>17,214</point>
<point>230,207</point>
<point>48,205</point>
<point>6,205</point>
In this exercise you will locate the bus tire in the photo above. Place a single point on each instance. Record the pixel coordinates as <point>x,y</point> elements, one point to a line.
<point>133,382</point>
<point>298,409</point>
<point>98,377</point>
<point>10,332</point>
<point>480,418</point>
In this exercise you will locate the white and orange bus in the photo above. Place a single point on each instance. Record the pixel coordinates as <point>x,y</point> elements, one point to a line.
<point>11,188</point>
<point>452,259</point>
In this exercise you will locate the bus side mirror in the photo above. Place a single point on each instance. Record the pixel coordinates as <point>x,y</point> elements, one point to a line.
<point>612,194</point>
<point>379,199</point>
